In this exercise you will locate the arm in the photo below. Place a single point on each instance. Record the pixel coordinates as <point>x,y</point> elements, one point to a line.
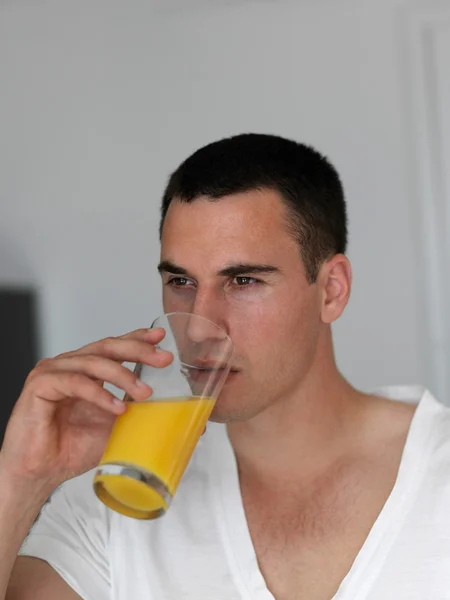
<point>58,431</point>
<point>31,579</point>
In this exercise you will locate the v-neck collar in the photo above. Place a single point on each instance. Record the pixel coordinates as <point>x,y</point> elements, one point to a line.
<point>234,530</point>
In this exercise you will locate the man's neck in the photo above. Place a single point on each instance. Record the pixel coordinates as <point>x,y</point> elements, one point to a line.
<point>304,433</point>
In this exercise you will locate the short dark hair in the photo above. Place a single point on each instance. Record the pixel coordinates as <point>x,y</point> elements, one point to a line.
<point>306,181</point>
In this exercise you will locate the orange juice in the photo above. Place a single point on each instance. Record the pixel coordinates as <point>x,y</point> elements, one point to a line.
<point>156,439</point>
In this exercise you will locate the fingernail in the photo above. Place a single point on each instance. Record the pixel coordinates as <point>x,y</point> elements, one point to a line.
<point>157,330</point>
<point>119,404</point>
<point>141,384</point>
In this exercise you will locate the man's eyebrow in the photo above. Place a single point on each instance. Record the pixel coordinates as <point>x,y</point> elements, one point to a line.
<point>247,269</point>
<point>170,267</point>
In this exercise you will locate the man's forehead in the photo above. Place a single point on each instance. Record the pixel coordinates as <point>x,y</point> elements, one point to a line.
<point>210,235</point>
<point>248,214</point>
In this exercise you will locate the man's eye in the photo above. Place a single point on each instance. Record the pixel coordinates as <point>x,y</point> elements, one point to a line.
<point>179,282</point>
<point>244,281</point>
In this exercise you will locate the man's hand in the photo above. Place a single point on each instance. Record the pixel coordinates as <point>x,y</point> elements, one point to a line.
<point>63,418</point>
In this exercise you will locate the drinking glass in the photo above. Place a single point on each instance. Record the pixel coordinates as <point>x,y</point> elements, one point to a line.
<point>152,442</point>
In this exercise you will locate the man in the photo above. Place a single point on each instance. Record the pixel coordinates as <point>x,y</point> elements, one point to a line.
<point>303,487</point>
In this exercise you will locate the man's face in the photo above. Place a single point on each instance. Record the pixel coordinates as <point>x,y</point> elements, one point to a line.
<point>233,261</point>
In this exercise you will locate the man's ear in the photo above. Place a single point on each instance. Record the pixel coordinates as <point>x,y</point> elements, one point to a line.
<point>335,280</point>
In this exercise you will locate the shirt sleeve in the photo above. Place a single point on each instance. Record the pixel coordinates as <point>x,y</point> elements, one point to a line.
<point>71,535</point>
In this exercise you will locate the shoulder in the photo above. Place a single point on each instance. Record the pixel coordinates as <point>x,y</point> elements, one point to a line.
<point>423,419</point>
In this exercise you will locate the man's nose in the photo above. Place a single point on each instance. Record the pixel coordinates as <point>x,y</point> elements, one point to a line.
<point>201,330</point>
<point>211,322</point>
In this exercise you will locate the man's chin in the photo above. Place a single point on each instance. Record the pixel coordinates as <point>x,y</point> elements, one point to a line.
<point>234,401</point>
<point>224,412</point>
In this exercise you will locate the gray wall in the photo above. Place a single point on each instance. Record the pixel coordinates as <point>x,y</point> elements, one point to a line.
<point>102,98</point>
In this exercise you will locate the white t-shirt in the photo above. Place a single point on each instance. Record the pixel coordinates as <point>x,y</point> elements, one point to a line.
<point>202,550</point>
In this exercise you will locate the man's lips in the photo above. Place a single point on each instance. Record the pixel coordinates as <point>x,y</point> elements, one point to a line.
<point>203,373</point>
<point>208,365</point>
